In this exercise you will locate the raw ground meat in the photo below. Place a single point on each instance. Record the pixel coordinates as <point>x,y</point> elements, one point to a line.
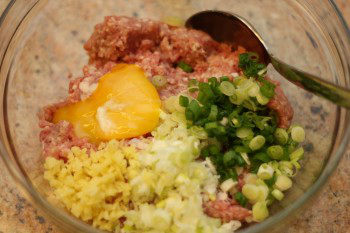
<point>157,48</point>
<point>226,210</point>
<point>280,104</point>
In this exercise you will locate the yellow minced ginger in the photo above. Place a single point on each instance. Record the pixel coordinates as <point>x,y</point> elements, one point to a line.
<point>94,187</point>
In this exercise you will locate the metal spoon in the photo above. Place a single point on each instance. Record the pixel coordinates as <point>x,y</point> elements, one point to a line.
<point>233,29</point>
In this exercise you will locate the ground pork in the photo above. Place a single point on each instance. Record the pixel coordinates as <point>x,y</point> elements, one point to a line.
<point>226,210</point>
<point>57,139</point>
<point>157,48</point>
<point>280,104</point>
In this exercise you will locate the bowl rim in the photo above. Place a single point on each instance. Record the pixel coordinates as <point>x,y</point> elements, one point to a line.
<point>62,217</point>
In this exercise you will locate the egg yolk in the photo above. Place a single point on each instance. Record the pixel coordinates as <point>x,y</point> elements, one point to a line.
<point>125,104</point>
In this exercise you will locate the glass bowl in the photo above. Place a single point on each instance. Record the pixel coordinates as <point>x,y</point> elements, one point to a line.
<point>41,45</point>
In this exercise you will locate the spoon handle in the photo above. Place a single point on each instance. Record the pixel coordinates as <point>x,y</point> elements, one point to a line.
<point>336,94</point>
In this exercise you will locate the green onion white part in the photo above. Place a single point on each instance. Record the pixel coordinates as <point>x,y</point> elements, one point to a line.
<point>283,183</point>
<point>275,152</point>
<point>227,88</point>
<point>260,211</point>
<point>277,194</point>
<point>227,185</point>
<point>265,171</point>
<point>257,142</point>
<point>245,133</point>
<point>297,154</point>
<point>281,136</point>
<point>159,80</point>
<point>298,134</point>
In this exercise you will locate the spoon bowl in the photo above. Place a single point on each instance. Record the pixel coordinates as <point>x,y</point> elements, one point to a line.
<point>233,29</point>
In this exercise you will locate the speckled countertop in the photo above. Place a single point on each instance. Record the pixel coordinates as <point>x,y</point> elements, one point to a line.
<point>329,213</point>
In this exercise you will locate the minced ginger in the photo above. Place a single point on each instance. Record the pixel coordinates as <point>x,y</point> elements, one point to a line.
<point>94,187</point>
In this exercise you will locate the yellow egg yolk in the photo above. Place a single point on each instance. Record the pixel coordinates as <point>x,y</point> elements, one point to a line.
<point>125,104</point>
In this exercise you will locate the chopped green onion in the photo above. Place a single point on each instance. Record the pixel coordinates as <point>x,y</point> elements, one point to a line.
<point>270,182</point>
<point>248,62</point>
<point>183,101</point>
<point>283,182</point>
<point>263,190</point>
<point>297,154</point>
<point>193,82</point>
<point>220,130</point>
<point>242,149</point>
<point>227,185</point>
<point>253,56</point>
<point>240,132</point>
<point>159,81</point>
<point>257,142</point>
<point>250,191</point>
<point>261,122</point>
<point>224,121</point>
<point>241,199</point>
<point>298,134</point>
<point>213,113</point>
<point>263,100</point>
<point>244,133</point>
<point>253,90</point>
<point>246,84</point>
<point>213,82</point>
<point>227,88</point>
<point>275,152</point>
<point>229,158</point>
<point>250,104</point>
<point>238,96</point>
<point>245,157</point>
<point>265,171</point>
<point>291,145</point>
<point>250,178</point>
<point>213,128</point>
<point>193,89</point>
<point>205,152</point>
<point>296,165</point>
<point>193,111</point>
<point>262,156</point>
<point>277,194</point>
<point>185,67</point>
<point>214,149</point>
<point>237,81</point>
<point>286,167</point>
<point>211,125</point>
<point>206,94</point>
<point>199,132</point>
<point>262,72</point>
<point>235,121</point>
<point>260,211</point>
<point>267,88</point>
<point>240,160</point>
<point>281,136</point>
<point>224,78</point>
<point>227,174</point>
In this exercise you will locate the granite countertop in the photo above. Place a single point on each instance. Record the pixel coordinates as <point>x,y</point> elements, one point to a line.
<point>329,212</point>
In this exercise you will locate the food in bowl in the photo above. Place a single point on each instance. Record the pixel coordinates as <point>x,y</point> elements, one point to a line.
<point>169,131</point>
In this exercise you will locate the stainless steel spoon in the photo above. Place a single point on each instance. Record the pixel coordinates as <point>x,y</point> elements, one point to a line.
<point>233,29</point>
